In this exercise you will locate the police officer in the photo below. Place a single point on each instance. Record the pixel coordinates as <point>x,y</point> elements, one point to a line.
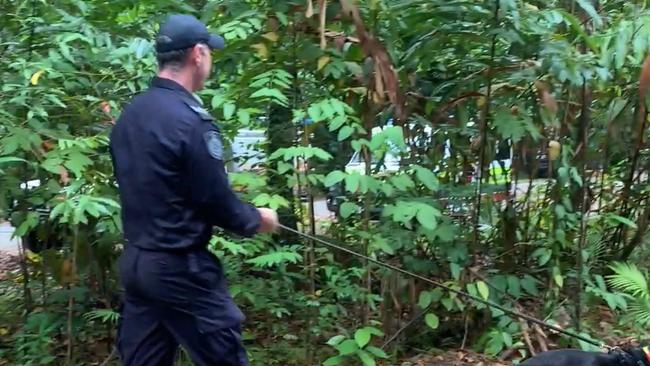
<point>167,156</point>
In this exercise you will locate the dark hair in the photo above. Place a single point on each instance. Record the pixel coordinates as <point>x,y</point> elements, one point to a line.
<point>173,59</point>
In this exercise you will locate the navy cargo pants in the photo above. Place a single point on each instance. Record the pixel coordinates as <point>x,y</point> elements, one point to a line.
<point>174,299</point>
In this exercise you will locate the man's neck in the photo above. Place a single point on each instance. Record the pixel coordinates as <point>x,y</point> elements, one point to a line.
<point>178,76</point>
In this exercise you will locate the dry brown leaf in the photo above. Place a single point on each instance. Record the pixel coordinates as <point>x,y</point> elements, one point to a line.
<point>549,102</point>
<point>67,271</point>
<point>383,65</point>
<point>65,177</point>
<point>340,42</point>
<point>48,145</point>
<point>271,36</point>
<point>379,84</point>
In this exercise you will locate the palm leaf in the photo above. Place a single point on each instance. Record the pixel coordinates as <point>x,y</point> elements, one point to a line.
<point>103,315</point>
<point>628,278</point>
<point>639,311</point>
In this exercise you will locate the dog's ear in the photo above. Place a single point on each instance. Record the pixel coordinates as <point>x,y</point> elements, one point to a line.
<point>641,355</point>
<point>646,353</point>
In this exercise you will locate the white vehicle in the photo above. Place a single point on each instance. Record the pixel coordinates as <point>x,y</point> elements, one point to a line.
<point>247,150</point>
<point>391,160</point>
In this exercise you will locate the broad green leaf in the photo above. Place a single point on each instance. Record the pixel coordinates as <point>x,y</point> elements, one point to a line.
<point>471,289</point>
<point>92,209</point>
<point>336,123</point>
<point>514,127</point>
<point>426,177</point>
<point>387,188</point>
<point>52,165</point>
<point>514,287</point>
<point>483,289</point>
<point>334,177</point>
<point>344,133</point>
<point>314,113</point>
<point>30,222</point>
<point>432,320</point>
<point>427,216</point>
<point>402,182</point>
<point>425,299</point>
<point>615,109</point>
<point>366,358</point>
<point>507,339</point>
<point>543,255</point>
<point>243,116</point>
<point>77,163</point>
<point>362,337</point>
<point>275,94</point>
<point>336,340</point>
<point>495,344</point>
<point>347,209</point>
<point>10,159</point>
<point>377,352</point>
<point>557,277</point>
<point>623,220</point>
<point>347,347</point>
<point>560,211</point>
<point>622,42</point>
<point>352,182</point>
<point>575,175</point>
<point>321,154</point>
<point>228,110</point>
<point>375,331</point>
<point>327,109</point>
<point>588,7</point>
<point>322,61</point>
<point>395,135</point>
<point>284,167</point>
<point>376,141</point>
<point>455,270</point>
<point>334,361</point>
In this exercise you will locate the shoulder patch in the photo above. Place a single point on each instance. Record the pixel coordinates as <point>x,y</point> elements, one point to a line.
<point>213,144</point>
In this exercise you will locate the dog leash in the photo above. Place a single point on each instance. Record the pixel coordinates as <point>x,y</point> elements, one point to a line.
<point>457,292</point>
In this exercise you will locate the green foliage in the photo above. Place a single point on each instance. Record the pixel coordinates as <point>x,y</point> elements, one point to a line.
<point>477,86</point>
<point>357,348</point>
<point>628,279</point>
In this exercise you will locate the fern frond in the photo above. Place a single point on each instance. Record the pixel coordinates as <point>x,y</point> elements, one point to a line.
<point>628,278</point>
<point>277,257</point>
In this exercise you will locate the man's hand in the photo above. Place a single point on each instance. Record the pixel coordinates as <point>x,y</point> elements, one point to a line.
<point>269,220</point>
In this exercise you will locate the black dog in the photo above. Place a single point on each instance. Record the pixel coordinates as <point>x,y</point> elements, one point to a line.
<point>573,357</point>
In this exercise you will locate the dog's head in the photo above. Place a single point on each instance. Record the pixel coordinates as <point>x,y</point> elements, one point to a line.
<point>637,356</point>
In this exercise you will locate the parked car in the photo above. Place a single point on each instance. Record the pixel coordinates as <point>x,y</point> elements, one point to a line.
<point>246,150</point>
<point>390,163</point>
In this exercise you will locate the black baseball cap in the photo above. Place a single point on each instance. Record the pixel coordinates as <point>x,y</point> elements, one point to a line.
<point>181,31</point>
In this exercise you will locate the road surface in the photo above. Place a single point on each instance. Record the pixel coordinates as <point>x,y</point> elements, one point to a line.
<point>7,244</point>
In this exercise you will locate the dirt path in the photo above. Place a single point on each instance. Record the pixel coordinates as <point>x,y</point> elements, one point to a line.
<point>9,264</point>
<point>453,358</point>
<point>8,245</point>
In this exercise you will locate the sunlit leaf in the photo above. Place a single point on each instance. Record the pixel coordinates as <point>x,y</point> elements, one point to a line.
<point>362,337</point>
<point>483,289</point>
<point>432,320</point>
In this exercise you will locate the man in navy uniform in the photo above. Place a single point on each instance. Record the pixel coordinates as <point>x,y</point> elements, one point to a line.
<point>167,157</point>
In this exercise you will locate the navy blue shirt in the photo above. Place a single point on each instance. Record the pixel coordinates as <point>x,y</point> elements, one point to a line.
<point>173,186</point>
